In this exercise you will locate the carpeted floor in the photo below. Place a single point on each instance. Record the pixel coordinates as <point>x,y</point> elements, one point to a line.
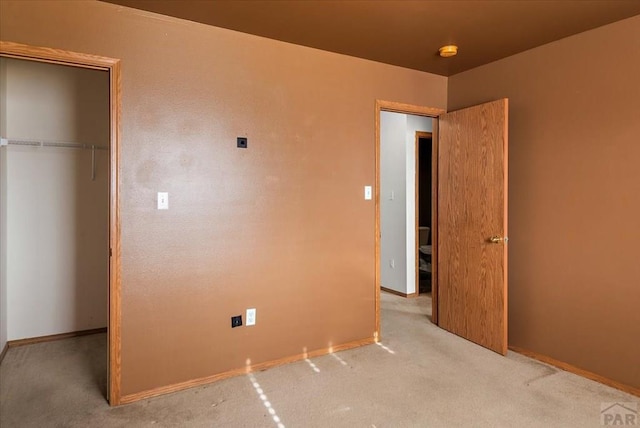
<point>418,376</point>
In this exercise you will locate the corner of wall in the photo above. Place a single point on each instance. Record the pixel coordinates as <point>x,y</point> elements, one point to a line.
<point>3,204</point>
<point>3,246</point>
<point>573,131</point>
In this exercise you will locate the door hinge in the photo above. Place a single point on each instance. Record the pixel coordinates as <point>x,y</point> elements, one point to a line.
<point>110,252</point>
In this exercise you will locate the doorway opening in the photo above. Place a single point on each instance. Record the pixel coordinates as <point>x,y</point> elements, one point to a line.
<point>82,168</point>
<point>411,227</point>
<point>424,208</point>
<point>469,251</point>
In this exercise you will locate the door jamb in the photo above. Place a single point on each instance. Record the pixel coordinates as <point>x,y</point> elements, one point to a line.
<point>432,112</point>
<point>112,65</point>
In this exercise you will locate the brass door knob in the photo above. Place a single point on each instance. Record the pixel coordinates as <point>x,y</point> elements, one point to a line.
<point>498,239</point>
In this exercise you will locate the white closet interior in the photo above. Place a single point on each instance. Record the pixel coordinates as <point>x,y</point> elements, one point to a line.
<point>54,194</point>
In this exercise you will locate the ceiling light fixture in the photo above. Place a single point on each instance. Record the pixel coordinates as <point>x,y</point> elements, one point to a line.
<point>448,51</point>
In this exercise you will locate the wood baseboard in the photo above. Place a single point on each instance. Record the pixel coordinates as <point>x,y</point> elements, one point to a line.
<point>399,293</point>
<point>52,337</point>
<point>130,398</point>
<point>576,370</point>
<point>4,352</point>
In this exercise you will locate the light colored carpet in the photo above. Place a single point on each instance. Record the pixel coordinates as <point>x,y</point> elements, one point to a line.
<point>420,376</point>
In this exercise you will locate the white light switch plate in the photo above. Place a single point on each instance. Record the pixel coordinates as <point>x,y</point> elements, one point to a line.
<point>367,193</point>
<point>163,200</point>
<point>251,316</point>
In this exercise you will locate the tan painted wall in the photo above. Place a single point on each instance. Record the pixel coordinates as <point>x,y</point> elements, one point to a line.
<point>574,195</point>
<point>281,226</point>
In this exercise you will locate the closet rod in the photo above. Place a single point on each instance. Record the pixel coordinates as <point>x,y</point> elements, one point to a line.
<point>38,143</point>
<point>35,143</point>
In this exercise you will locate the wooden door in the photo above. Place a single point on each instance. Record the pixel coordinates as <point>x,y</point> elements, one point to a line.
<point>472,224</point>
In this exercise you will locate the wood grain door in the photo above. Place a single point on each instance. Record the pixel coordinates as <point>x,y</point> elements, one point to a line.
<point>472,224</point>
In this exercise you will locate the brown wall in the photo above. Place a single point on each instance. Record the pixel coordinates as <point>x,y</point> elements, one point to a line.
<point>281,226</point>
<point>574,195</point>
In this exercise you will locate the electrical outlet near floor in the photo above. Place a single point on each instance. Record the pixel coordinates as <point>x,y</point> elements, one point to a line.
<point>251,316</point>
<point>392,263</point>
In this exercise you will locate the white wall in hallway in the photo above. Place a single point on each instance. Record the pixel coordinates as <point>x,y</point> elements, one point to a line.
<point>397,198</point>
<point>393,169</point>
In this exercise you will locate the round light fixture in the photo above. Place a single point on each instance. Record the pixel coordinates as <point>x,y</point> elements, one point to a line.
<point>448,51</point>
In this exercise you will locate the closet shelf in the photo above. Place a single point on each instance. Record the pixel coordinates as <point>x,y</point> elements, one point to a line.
<point>41,143</point>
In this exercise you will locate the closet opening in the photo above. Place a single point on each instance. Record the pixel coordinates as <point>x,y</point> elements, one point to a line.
<point>59,223</point>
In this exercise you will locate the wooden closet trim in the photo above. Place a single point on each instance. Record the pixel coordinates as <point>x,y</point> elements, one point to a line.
<point>112,65</point>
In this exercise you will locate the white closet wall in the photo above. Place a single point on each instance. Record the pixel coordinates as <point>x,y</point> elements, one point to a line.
<point>56,216</point>
<point>3,211</point>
